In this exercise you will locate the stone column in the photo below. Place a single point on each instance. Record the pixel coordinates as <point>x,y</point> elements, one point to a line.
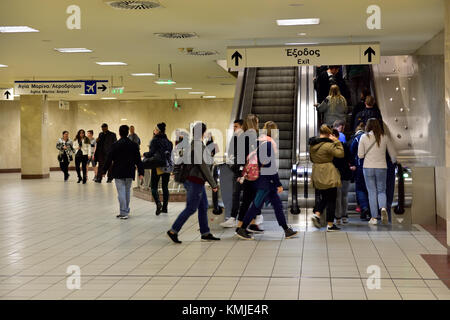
<point>447,113</point>
<point>33,137</point>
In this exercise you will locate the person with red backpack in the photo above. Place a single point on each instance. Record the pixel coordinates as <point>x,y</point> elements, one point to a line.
<point>261,167</point>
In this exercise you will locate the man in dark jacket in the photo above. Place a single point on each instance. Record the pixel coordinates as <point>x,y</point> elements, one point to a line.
<point>196,198</point>
<point>326,79</point>
<point>104,142</point>
<point>124,157</point>
<point>370,111</point>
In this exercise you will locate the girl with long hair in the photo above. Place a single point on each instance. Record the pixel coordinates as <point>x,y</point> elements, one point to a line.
<point>83,151</point>
<point>334,107</point>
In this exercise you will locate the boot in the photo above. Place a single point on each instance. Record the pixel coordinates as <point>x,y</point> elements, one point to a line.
<point>158,208</point>
<point>84,180</point>
<point>164,208</point>
<point>79,179</point>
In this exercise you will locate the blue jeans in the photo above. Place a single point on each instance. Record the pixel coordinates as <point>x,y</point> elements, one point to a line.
<point>195,200</point>
<point>360,188</point>
<point>123,187</point>
<point>261,197</point>
<point>376,186</point>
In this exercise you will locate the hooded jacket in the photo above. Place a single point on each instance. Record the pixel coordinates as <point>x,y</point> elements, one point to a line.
<point>322,152</point>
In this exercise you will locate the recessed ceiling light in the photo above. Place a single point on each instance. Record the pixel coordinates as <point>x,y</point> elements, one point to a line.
<point>3,66</point>
<point>108,98</point>
<point>149,74</point>
<point>14,29</point>
<point>183,88</point>
<point>298,22</point>
<point>296,5</point>
<point>161,81</point>
<point>111,63</point>
<point>208,97</point>
<point>196,92</point>
<point>73,50</point>
<point>300,43</point>
<point>123,119</point>
<point>301,34</point>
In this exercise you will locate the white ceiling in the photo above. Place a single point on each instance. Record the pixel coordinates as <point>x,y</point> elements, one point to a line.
<point>128,36</point>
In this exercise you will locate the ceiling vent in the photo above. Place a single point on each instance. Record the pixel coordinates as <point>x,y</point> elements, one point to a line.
<point>202,53</point>
<point>177,35</point>
<point>133,5</point>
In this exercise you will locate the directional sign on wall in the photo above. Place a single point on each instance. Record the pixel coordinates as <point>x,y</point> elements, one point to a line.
<point>314,55</point>
<point>7,94</point>
<point>62,88</point>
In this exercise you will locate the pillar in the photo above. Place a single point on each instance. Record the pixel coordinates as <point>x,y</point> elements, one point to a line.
<point>33,137</point>
<point>447,114</point>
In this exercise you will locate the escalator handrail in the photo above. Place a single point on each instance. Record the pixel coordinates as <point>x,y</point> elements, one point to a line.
<point>400,207</point>
<point>295,209</point>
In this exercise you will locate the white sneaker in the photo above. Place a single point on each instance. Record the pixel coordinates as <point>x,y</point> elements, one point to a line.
<point>373,221</point>
<point>384,216</point>
<point>338,221</point>
<point>316,221</point>
<point>344,220</point>
<point>259,219</point>
<point>230,223</point>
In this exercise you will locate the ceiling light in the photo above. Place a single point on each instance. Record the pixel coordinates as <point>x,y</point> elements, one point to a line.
<point>3,66</point>
<point>300,43</point>
<point>196,92</point>
<point>111,63</point>
<point>208,97</point>
<point>123,119</point>
<point>14,29</point>
<point>149,74</point>
<point>301,34</point>
<point>298,22</point>
<point>161,81</point>
<point>108,98</point>
<point>183,88</point>
<point>73,50</point>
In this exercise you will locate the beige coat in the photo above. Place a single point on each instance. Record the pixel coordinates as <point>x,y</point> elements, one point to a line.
<point>324,173</point>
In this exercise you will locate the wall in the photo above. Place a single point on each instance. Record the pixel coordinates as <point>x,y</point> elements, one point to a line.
<point>143,114</point>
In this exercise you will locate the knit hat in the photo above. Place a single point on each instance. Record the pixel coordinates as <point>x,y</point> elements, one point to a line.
<point>161,127</point>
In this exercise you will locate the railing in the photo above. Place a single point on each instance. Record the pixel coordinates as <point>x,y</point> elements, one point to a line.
<point>295,209</point>
<point>400,208</point>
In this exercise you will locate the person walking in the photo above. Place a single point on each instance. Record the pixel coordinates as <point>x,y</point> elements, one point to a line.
<point>66,150</point>
<point>370,111</point>
<point>83,152</point>
<point>372,148</point>
<point>104,142</point>
<point>123,159</point>
<point>325,177</point>
<point>343,165</point>
<point>163,147</point>
<point>268,185</point>
<point>196,199</point>
<point>356,165</point>
<point>90,135</point>
<point>134,137</point>
<point>213,148</point>
<point>334,107</point>
<point>236,165</point>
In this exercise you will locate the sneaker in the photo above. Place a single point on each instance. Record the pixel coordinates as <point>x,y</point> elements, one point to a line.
<point>230,223</point>
<point>173,237</point>
<point>333,228</point>
<point>373,221</point>
<point>253,228</point>
<point>209,237</point>
<point>158,209</point>
<point>244,234</point>
<point>316,221</point>
<point>109,180</point>
<point>338,221</point>
<point>259,219</point>
<point>384,216</point>
<point>124,217</point>
<point>119,216</point>
<point>358,209</point>
<point>344,220</point>
<point>289,233</point>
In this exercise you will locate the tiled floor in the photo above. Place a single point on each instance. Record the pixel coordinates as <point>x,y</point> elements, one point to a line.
<point>48,225</point>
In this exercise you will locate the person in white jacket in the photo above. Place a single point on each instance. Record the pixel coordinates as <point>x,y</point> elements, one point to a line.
<point>83,152</point>
<point>372,148</point>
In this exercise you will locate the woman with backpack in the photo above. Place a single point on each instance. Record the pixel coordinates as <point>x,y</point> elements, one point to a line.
<point>162,147</point>
<point>372,148</point>
<point>262,163</point>
<point>325,177</point>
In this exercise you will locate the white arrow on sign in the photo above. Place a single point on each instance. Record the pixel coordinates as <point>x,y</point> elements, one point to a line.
<point>7,94</point>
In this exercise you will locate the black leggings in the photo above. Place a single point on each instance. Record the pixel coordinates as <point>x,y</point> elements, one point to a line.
<point>64,165</point>
<point>248,195</point>
<point>154,181</point>
<point>326,199</point>
<point>83,160</point>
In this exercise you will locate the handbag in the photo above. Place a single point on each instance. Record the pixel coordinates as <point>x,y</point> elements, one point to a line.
<point>153,162</point>
<point>251,169</point>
